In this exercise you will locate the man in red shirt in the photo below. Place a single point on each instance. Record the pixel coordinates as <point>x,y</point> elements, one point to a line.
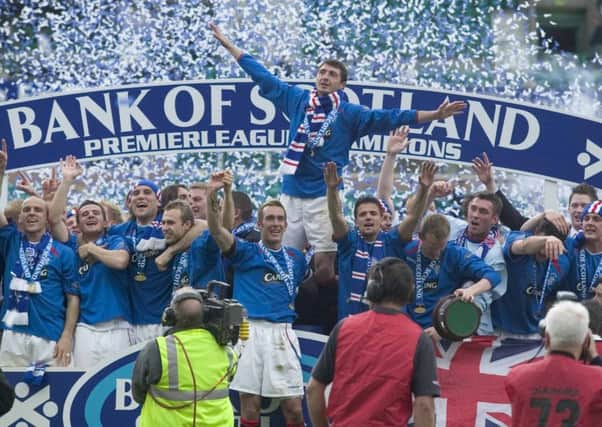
<point>560,389</point>
<point>377,360</point>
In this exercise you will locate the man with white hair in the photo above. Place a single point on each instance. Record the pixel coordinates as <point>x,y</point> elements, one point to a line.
<point>559,389</point>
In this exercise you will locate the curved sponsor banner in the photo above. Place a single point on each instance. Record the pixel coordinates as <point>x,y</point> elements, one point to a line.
<point>471,374</point>
<point>103,397</point>
<point>222,115</point>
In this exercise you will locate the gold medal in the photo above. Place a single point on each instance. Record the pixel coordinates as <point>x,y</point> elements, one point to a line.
<point>140,277</point>
<point>31,287</point>
<point>420,309</point>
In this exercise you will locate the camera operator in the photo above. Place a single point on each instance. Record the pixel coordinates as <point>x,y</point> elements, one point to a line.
<point>182,379</point>
<point>559,389</point>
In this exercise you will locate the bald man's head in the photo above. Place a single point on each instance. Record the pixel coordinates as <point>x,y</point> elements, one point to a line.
<point>188,308</point>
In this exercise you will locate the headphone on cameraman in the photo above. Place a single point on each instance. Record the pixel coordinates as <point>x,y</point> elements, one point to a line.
<point>375,289</point>
<point>170,314</point>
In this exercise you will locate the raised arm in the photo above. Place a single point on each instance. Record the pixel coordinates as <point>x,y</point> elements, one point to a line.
<point>556,218</point>
<point>70,170</point>
<point>509,216</point>
<point>221,235</point>
<point>426,179</point>
<point>398,141</point>
<point>3,162</point>
<point>533,244</point>
<point>228,207</point>
<point>445,110</point>
<point>335,209</point>
<point>225,41</point>
<point>438,190</point>
<point>25,184</point>
<point>49,186</point>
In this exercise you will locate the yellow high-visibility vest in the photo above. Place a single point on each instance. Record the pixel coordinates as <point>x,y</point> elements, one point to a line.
<point>207,363</point>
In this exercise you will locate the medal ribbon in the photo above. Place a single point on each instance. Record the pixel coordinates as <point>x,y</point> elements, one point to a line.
<point>180,265</point>
<point>421,277</point>
<point>545,284</point>
<point>140,257</point>
<point>42,260</point>
<point>287,277</point>
<point>583,274</point>
<point>318,141</point>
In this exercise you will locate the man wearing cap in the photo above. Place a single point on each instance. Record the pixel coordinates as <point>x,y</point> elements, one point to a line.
<point>585,253</point>
<point>150,287</point>
<point>105,310</point>
<point>41,291</point>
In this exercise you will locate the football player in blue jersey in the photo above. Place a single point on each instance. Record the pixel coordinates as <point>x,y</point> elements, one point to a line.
<point>41,289</point>
<point>267,275</point>
<point>105,310</point>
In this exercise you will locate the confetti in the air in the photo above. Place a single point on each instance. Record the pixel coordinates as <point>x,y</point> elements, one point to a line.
<point>493,47</point>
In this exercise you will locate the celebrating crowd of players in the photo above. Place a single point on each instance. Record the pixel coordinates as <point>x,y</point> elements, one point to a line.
<point>78,290</point>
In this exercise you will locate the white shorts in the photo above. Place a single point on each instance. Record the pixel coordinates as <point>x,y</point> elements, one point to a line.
<point>95,343</point>
<point>142,333</point>
<point>308,222</point>
<point>19,350</point>
<point>270,364</point>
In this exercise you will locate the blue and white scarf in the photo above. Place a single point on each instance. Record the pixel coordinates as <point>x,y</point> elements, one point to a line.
<point>487,243</point>
<point>365,256</point>
<point>146,238</point>
<point>320,113</point>
<point>241,230</point>
<point>32,260</point>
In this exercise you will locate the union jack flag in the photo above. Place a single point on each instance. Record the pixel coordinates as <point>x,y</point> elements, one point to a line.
<point>472,373</point>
